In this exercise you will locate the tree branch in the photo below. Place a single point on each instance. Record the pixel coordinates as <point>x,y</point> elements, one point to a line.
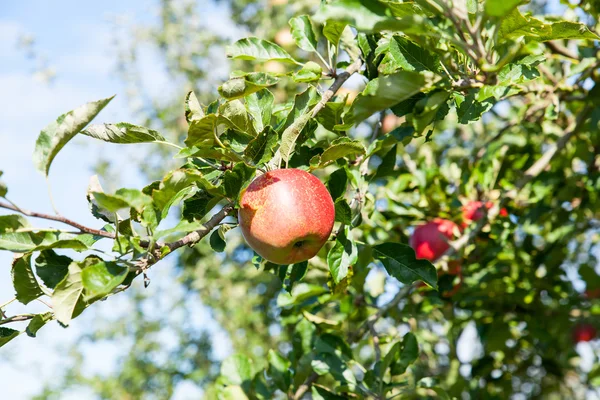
<point>58,218</point>
<point>336,85</point>
<point>305,386</point>
<point>196,236</point>
<point>558,48</point>
<point>17,318</point>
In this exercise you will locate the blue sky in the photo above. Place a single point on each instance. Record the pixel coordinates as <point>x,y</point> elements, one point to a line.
<point>75,39</point>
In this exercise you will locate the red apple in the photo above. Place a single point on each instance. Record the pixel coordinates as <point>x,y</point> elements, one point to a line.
<point>430,241</point>
<point>286,215</point>
<point>474,210</point>
<point>584,333</point>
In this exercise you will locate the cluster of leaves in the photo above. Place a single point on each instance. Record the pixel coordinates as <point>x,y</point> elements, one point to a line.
<point>437,67</point>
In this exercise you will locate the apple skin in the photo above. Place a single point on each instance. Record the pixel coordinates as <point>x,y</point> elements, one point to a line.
<point>286,215</point>
<point>430,241</point>
<point>584,333</point>
<point>473,211</point>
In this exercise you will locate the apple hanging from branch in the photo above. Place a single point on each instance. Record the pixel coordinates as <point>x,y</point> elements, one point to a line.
<point>286,215</point>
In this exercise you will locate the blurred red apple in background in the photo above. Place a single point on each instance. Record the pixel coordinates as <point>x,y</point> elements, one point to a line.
<point>286,215</point>
<point>584,333</point>
<point>430,241</point>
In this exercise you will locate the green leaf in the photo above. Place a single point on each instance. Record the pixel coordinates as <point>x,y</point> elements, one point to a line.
<point>67,294</point>
<point>51,267</point>
<point>24,242</point>
<point>404,9</point>
<point>367,16</point>
<point>388,163</point>
<point>337,183</point>
<point>408,56</point>
<point>7,334</point>
<point>123,198</point>
<point>343,213</point>
<point>257,49</point>
<point>515,25</point>
<point>387,91</point>
<point>320,393</point>
<point>568,30</point>
<point>400,262</point>
<point>342,256</point>
<point>234,115</point>
<point>303,33</point>
<point>260,150</point>
<point>340,148</point>
<point>401,355</point>
<point>279,370</point>
<point>298,273</point>
<point>237,369</point>
<point>57,134</point>
<point>260,108</point>
<point>26,286</point>
<point>244,85</point>
<point>214,153</point>
<point>217,242</point>
<point>499,8</point>
<point>197,206</point>
<point>331,363</point>
<point>331,115</point>
<point>333,31</point>
<point>237,179</point>
<point>469,109</point>
<point>201,132</point>
<point>302,104</point>
<point>290,135</point>
<point>13,222</point>
<point>193,109</point>
<point>310,72</point>
<point>122,133</point>
<point>37,323</point>
<point>97,211</point>
<point>99,279</point>
<point>426,109</point>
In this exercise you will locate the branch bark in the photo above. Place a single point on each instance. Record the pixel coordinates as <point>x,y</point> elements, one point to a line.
<point>17,318</point>
<point>58,218</point>
<point>302,389</point>
<point>336,85</point>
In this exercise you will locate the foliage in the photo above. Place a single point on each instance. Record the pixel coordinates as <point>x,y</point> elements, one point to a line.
<point>488,104</point>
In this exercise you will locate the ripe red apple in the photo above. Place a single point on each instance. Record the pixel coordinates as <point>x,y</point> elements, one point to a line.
<point>584,333</point>
<point>286,215</point>
<point>430,241</point>
<point>473,211</point>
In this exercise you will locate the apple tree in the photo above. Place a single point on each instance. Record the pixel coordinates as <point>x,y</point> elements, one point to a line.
<point>463,182</point>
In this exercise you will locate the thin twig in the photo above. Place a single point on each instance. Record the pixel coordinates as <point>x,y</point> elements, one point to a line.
<point>17,318</point>
<point>336,85</point>
<point>303,388</point>
<point>196,236</point>
<point>58,218</point>
<point>558,48</point>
